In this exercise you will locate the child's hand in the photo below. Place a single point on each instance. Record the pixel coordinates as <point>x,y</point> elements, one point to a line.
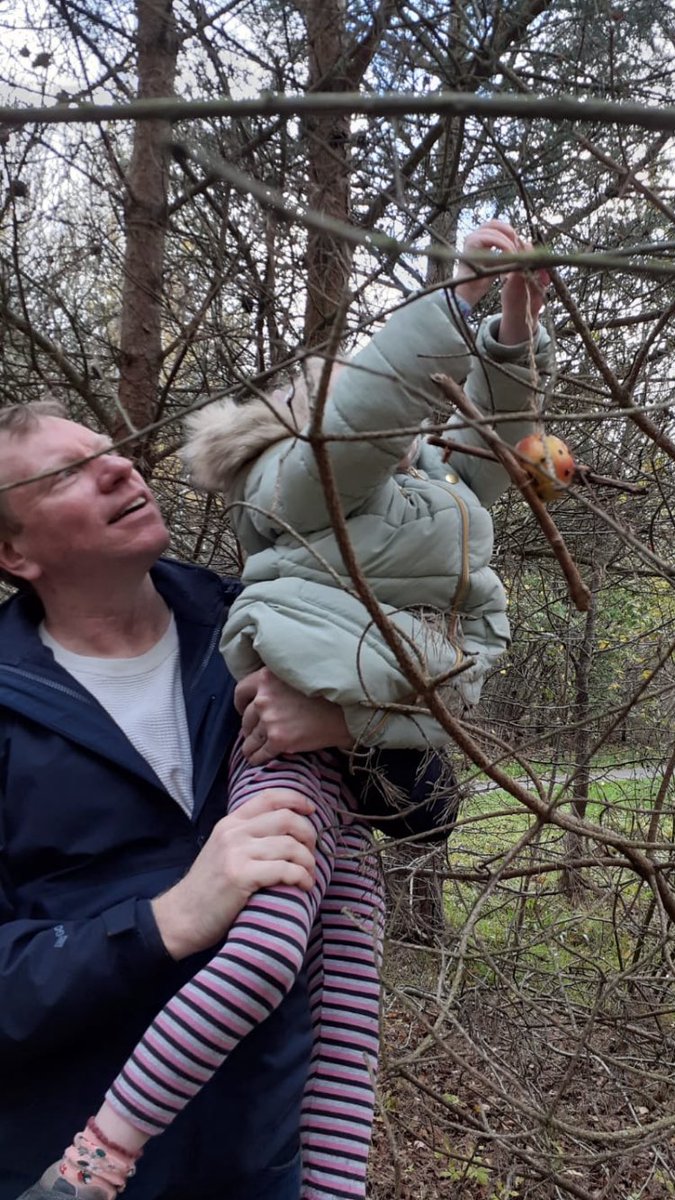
<point>493,235</point>
<point>523,297</point>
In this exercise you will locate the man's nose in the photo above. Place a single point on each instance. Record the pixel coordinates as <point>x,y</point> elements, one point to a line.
<point>112,470</point>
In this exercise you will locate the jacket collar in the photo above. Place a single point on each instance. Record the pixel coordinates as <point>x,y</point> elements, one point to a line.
<point>177,582</point>
<point>35,685</point>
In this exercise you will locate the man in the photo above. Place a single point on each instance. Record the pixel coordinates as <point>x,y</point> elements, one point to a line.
<point>117,717</point>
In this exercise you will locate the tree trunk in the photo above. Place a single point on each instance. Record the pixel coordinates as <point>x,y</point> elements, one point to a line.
<point>444,191</point>
<point>334,66</point>
<point>145,226</point>
<point>414,884</point>
<point>328,258</point>
<point>574,848</point>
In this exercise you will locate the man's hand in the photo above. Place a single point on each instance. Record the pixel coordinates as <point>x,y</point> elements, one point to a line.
<point>278,720</point>
<point>268,841</point>
<point>523,292</point>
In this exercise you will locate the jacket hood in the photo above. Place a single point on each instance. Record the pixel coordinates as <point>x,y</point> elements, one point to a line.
<point>35,686</point>
<point>226,437</point>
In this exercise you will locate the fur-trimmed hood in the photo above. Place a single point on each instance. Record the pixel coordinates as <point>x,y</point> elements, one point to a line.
<point>226,437</point>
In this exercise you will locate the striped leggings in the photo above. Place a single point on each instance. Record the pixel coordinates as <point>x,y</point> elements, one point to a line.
<point>336,929</point>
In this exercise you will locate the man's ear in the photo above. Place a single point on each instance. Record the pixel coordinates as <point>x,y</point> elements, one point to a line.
<point>16,563</point>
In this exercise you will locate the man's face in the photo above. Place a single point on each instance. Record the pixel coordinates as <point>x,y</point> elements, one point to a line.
<point>87,521</point>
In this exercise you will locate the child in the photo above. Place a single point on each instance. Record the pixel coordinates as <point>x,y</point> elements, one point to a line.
<point>423,539</point>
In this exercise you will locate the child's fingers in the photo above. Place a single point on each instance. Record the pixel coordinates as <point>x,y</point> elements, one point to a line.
<point>503,227</point>
<point>488,239</point>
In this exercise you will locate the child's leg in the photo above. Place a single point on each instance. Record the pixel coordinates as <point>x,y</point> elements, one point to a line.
<point>338,1103</point>
<point>245,981</point>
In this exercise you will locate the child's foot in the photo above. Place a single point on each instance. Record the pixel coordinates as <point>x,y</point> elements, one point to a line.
<point>92,1168</point>
<point>52,1186</point>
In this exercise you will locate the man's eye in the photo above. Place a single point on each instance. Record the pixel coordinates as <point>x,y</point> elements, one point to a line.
<point>68,472</point>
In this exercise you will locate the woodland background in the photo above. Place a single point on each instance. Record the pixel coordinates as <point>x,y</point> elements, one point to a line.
<point>148,267</point>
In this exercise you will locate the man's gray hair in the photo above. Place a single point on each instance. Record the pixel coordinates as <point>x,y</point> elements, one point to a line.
<point>17,421</point>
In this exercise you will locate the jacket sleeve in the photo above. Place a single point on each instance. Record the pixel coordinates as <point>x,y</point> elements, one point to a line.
<point>61,983</point>
<point>384,388</point>
<point>502,379</point>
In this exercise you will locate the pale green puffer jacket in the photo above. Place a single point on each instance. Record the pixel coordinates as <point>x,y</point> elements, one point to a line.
<point>423,539</point>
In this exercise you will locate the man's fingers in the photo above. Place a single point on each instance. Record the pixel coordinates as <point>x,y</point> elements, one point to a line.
<point>246,690</point>
<point>250,719</point>
<point>285,849</point>
<point>273,801</point>
<point>260,745</point>
<point>257,758</point>
<point>255,747</point>
<point>260,754</point>
<point>291,874</point>
<point>284,824</point>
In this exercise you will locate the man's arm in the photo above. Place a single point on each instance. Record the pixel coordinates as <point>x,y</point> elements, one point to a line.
<point>60,981</point>
<point>268,842</point>
<point>63,981</point>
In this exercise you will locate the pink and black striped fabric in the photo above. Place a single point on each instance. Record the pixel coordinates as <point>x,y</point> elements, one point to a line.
<point>337,929</point>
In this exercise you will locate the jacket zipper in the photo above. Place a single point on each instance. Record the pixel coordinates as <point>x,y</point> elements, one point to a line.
<point>45,682</point>
<point>215,636</point>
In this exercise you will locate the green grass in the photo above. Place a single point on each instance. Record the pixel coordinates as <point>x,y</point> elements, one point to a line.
<point>545,761</point>
<point>527,928</point>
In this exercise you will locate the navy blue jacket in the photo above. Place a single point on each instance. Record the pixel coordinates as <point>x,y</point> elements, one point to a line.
<point>88,835</point>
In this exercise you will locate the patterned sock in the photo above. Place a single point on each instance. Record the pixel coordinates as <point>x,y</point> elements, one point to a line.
<point>94,1159</point>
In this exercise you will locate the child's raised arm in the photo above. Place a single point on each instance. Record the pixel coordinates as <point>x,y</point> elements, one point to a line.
<point>377,402</point>
<point>513,358</point>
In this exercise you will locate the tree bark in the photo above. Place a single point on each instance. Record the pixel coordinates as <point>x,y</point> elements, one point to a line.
<point>328,258</point>
<point>414,883</point>
<point>145,213</point>
<point>333,67</point>
<point>574,848</point>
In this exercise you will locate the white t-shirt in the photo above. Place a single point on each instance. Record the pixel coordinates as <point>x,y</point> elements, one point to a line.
<point>144,696</point>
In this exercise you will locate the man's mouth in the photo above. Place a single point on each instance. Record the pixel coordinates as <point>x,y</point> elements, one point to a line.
<point>140,502</point>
